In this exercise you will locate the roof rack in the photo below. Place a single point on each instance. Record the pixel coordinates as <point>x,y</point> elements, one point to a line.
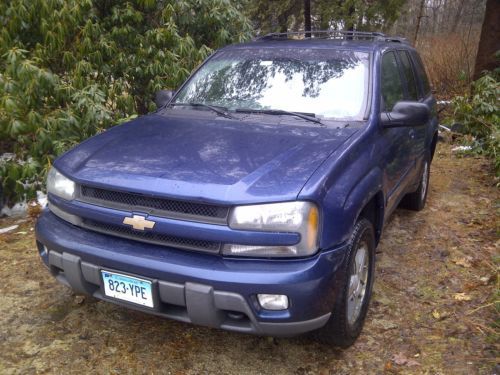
<point>334,34</point>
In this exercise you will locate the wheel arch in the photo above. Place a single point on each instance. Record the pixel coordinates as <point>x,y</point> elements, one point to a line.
<point>434,144</point>
<point>373,211</point>
<point>366,200</point>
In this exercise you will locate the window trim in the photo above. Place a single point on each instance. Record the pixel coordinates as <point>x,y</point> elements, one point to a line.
<point>417,61</point>
<point>403,79</point>
<point>415,78</point>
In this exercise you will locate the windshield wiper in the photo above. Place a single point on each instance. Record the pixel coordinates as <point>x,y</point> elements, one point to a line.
<point>221,110</point>
<point>281,112</point>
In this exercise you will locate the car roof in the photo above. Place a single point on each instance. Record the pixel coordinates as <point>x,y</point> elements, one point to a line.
<point>326,40</point>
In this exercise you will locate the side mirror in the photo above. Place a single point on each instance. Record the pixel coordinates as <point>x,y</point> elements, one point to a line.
<point>406,114</point>
<point>162,97</point>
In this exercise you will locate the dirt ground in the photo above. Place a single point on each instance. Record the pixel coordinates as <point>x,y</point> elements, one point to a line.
<point>432,310</point>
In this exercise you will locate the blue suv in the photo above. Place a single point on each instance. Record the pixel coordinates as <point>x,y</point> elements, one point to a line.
<point>253,199</point>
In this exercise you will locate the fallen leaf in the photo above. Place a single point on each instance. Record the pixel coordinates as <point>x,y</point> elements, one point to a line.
<point>461,297</point>
<point>399,359</point>
<point>465,262</point>
<point>439,315</point>
<point>485,280</point>
<point>79,299</point>
<point>383,300</point>
<point>384,324</point>
<point>412,362</point>
<point>112,350</point>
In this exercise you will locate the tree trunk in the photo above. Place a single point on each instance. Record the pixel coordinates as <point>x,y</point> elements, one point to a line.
<point>458,17</point>
<point>141,106</point>
<point>434,19</point>
<point>419,19</point>
<point>489,42</point>
<point>283,23</point>
<point>307,17</point>
<point>350,18</point>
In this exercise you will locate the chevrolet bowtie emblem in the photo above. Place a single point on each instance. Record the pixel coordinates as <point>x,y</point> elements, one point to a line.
<point>139,222</point>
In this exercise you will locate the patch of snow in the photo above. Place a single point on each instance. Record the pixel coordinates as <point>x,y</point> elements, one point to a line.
<point>8,229</point>
<point>41,198</point>
<point>8,156</point>
<point>461,148</point>
<point>19,209</point>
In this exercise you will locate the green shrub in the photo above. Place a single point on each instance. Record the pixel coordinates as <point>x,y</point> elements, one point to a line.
<point>71,68</point>
<point>480,116</point>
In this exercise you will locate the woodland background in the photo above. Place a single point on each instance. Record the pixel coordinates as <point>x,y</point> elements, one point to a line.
<point>71,68</point>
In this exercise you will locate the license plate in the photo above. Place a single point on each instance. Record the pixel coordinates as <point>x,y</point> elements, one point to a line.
<point>127,288</point>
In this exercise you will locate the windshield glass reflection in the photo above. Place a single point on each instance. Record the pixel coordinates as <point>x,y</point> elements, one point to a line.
<point>329,84</point>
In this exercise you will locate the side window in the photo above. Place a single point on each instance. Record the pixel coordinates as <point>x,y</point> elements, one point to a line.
<point>410,77</point>
<point>419,67</point>
<point>392,86</point>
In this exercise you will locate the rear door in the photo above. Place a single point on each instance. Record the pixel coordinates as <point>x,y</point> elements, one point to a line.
<point>425,96</point>
<point>417,134</point>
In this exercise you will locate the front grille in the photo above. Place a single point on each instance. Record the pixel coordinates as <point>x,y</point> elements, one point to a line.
<point>151,237</point>
<point>157,206</point>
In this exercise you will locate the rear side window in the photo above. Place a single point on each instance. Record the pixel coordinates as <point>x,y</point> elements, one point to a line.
<point>392,86</point>
<point>419,67</point>
<point>408,72</point>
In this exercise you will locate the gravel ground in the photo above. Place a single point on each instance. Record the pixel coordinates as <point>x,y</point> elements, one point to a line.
<point>431,313</point>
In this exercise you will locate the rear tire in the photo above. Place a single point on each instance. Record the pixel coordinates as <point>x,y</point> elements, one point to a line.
<point>416,201</point>
<point>351,306</point>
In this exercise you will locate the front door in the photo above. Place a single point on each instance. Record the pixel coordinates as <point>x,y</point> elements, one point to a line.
<point>398,142</point>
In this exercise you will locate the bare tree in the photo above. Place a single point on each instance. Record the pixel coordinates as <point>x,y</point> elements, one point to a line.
<point>419,20</point>
<point>307,17</point>
<point>489,42</point>
<point>458,16</point>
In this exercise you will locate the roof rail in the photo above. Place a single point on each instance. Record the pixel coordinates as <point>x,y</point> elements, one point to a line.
<point>333,34</point>
<point>397,39</point>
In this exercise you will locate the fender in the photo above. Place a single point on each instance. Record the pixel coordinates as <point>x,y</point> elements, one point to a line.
<point>361,193</point>
<point>343,214</point>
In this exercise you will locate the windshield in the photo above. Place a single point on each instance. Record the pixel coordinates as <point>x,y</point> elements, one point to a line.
<point>327,83</point>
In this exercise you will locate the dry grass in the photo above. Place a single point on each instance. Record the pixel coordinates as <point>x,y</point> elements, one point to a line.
<point>449,59</point>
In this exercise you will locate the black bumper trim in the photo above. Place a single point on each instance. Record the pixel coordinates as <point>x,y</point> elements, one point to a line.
<point>190,302</point>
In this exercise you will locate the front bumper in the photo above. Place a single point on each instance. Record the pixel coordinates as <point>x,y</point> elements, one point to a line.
<point>197,288</point>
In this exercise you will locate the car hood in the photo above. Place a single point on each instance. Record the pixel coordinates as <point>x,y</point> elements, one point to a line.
<point>204,159</point>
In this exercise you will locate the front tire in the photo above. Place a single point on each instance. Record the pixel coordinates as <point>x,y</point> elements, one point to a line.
<point>351,306</point>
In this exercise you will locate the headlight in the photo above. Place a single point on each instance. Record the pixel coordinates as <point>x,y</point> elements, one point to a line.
<point>59,185</point>
<point>299,217</point>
